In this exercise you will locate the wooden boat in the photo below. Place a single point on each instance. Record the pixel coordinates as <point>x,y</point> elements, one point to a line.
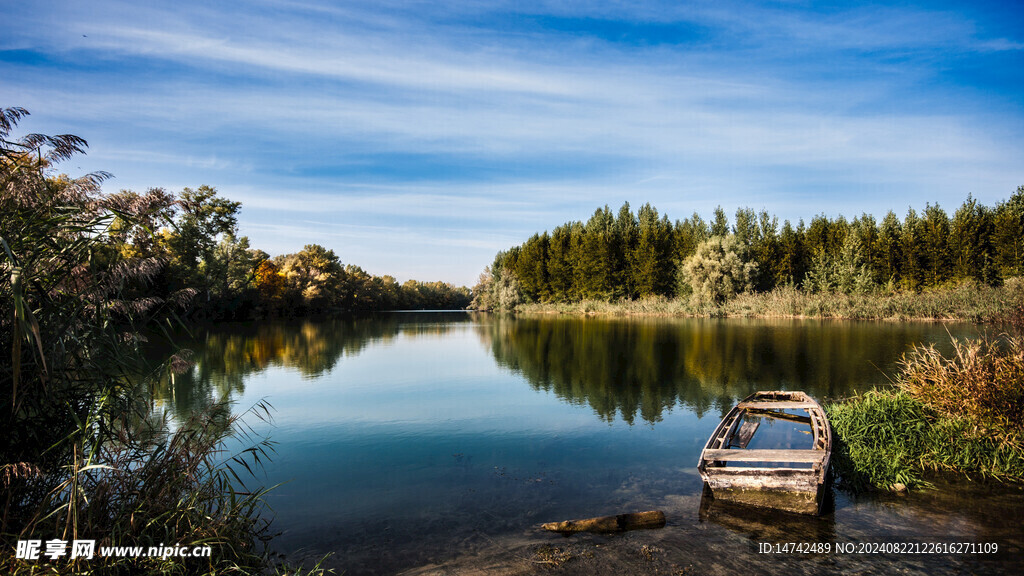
<point>787,479</point>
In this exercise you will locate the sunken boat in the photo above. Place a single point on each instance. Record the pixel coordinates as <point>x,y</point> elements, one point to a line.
<point>791,479</point>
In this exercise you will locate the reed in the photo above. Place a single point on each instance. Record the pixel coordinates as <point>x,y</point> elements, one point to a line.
<point>983,380</point>
<point>159,489</point>
<point>960,413</point>
<point>968,301</point>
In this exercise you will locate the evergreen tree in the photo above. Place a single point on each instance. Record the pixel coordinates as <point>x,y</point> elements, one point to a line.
<point>531,268</point>
<point>1009,235</point>
<point>936,248</point>
<point>720,223</point>
<point>628,256</point>
<point>766,252</point>
<point>817,236</point>
<point>837,233</point>
<point>889,263</point>
<point>626,231</point>
<point>745,228</point>
<point>594,264</point>
<point>912,247</point>
<point>845,272</point>
<point>865,234</point>
<point>970,241</point>
<point>559,263</point>
<point>651,258</point>
<point>792,254</point>
<point>689,234</point>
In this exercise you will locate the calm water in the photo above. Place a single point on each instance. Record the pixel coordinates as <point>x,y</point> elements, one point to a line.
<point>413,438</point>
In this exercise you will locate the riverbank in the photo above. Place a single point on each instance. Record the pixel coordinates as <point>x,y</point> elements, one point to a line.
<point>722,540</point>
<point>967,301</point>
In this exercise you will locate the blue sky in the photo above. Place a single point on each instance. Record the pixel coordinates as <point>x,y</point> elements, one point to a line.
<point>418,138</point>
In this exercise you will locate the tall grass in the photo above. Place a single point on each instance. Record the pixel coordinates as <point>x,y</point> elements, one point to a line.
<point>889,437</point>
<point>960,413</point>
<point>175,488</point>
<point>968,301</point>
<point>983,380</point>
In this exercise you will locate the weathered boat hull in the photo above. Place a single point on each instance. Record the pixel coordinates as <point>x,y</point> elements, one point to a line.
<point>762,523</point>
<point>732,472</point>
<point>790,490</point>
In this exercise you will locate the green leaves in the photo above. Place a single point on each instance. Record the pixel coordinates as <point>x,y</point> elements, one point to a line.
<point>717,271</point>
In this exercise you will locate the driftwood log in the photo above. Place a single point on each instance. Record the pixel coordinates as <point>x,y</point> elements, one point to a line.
<point>620,523</point>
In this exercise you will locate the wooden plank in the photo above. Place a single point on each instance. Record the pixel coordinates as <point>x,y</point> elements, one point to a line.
<point>780,416</point>
<point>764,455</point>
<point>777,405</point>
<point>745,433</point>
<point>728,428</point>
<point>816,427</point>
<point>753,471</point>
<point>766,481</point>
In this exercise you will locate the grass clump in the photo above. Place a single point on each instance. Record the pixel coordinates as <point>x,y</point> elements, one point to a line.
<point>983,380</point>
<point>883,437</point>
<point>961,414</point>
<point>888,438</point>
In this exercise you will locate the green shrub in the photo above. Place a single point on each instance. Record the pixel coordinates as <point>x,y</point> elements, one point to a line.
<point>716,272</point>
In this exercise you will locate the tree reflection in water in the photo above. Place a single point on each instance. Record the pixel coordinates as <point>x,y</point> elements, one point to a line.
<point>226,355</point>
<point>634,368</point>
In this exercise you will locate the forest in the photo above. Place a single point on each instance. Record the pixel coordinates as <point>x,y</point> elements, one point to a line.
<point>627,255</point>
<point>193,238</point>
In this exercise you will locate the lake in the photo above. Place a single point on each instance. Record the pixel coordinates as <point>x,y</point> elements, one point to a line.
<point>411,440</point>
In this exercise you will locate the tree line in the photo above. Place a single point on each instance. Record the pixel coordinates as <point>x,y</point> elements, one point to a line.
<point>194,237</point>
<point>627,255</point>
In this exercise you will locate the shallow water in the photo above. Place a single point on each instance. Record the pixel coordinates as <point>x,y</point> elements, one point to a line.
<point>420,438</point>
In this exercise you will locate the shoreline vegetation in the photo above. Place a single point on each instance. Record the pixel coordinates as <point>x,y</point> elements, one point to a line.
<point>963,414</point>
<point>969,301</point>
<point>924,266</point>
<point>86,279</point>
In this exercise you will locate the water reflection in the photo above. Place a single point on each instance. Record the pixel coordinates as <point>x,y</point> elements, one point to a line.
<point>408,439</point>
<point>626,368</point>
<point>633,368</point>
<point>226,355</point>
